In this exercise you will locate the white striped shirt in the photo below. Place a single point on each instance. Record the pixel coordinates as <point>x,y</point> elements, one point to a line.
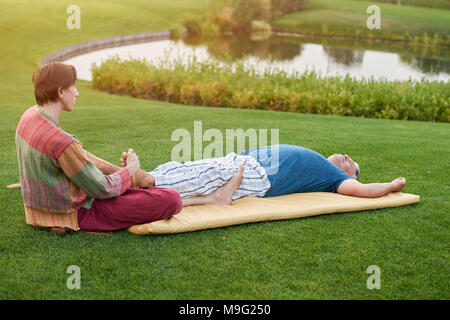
<point>202,177</point>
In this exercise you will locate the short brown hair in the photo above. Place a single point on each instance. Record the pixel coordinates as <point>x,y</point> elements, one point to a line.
<point>51,76</point>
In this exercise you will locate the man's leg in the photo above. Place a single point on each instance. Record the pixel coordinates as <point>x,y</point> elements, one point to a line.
<point>190,179</point>
<point>201,177</point>
<point>142,179</point>
<point>222,195</point>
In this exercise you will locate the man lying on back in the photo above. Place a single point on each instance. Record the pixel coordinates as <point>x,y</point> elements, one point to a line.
<point>268,172</point>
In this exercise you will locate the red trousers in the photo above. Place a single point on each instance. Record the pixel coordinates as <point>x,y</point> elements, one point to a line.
<point>135,206</point>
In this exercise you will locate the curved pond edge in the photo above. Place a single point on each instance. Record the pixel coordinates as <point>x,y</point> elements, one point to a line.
<point>282,33</point>
<point>104,43</point>
<point>134,38</point>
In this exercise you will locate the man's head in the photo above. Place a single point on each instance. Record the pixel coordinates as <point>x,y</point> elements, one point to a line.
<point>345,163</point>
<point>55,82</point>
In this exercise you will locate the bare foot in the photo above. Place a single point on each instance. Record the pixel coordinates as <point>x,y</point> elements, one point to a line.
<point>223,194</point>
<point>399,183</point>
<point>140,179</point>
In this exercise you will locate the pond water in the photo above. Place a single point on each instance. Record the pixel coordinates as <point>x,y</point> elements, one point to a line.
<point>387,61</point>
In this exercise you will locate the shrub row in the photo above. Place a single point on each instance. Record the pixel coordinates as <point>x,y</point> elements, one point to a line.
<point>236,16</point>
<point>236,86</point>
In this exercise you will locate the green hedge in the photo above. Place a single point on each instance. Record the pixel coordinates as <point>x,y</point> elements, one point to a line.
<point>214,84</point>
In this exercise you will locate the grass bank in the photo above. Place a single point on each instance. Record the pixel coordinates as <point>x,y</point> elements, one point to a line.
<point>347,18</point>
<point>438,4</point>
<point>214,84</point>
<point>323,257</point>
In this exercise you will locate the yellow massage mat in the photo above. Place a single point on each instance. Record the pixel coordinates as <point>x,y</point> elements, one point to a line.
<point>246,210</point>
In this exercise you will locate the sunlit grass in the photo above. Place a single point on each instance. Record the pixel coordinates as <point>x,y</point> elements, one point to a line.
<point>348,18</point>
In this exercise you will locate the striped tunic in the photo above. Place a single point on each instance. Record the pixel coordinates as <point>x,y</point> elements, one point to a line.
<point>57,175</point>
<point>204,176</point>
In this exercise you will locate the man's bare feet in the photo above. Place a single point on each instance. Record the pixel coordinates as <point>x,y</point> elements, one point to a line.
<point>399,183</point>
<point>223,194</point>
<point>140,179</point>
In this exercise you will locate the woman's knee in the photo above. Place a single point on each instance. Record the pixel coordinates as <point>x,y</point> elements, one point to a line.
<point>175,203</point>
<point>163,203</point>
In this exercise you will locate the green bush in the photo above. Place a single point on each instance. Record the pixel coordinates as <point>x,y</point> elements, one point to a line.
<point>192,26</point>
<point>246,11</point>
<point>260,26</point>
<point>200,28</point>
<point>239,15</point>
<point>225,22</point>
<point>211,84</point>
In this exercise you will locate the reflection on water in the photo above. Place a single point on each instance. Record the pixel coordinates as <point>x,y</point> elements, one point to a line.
<point>427,64</point>
<point>327,57</point>
<point>340,55</point>
<point>344,56</point>
<point>239,48</point>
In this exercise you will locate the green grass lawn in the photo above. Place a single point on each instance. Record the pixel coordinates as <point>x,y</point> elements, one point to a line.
<point>322,257</point>
<point>348,18</point>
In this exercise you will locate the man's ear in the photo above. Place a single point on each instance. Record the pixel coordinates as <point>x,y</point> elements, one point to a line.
<point>60,92</point>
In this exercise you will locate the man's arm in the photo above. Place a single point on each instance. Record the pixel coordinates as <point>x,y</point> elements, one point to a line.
<point>352,187</point>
